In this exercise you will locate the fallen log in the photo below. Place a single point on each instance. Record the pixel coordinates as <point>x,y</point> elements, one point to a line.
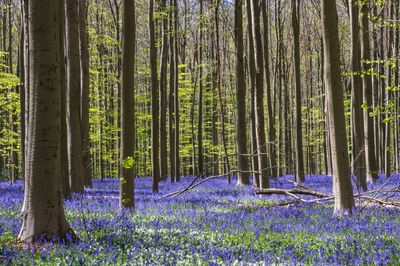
<point>291,192</point>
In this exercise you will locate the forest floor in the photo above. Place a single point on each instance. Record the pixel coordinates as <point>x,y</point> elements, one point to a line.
<point>215,224</point>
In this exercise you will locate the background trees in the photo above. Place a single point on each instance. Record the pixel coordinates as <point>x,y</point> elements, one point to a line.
<point>212,80</point>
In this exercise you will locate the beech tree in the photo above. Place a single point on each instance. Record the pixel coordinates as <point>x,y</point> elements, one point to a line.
<point>43,212</point>
<point>73,73</point>
<point>127,104</point>
<point>241,137</point>
<point>155,141</point>
<point>342,188</point>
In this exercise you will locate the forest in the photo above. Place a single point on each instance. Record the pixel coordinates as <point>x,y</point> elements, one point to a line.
<point>199,132</point>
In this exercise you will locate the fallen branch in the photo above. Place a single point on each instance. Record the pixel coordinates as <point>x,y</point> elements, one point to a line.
<point>292,192</point>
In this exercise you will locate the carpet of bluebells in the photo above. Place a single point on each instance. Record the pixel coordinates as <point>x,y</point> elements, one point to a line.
<point>214,224</point>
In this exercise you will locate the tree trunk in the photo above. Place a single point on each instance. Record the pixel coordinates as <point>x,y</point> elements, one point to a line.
<point>171,98</point>
<point>369,136</point>
<point>259,95</point>
<point>241,136</point>
<point>127,104</point>
<point>176,94</point>
<point>358,156</point>
<point>43,212</point>
<point>163,92</point>
<point>298,123</point>
<point>155,147</point>
<point>270,109</point>
<point>342,188</point>
<point>75,166</point>
<point>251,63</point>
<point>200,159</point>
<point>84,60</point>
<point>65,185</point>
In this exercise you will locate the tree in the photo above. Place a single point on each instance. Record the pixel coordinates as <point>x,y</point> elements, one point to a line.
<point>65,185</point>
<point>43,212</point>
<point>259,95</point>
<point>299,173</point>
<point>163,91</point>
<point>241,138</point>
<point>369,136</point>
<point>75,166</point>
<point>85,80</point>
<point>342,188</point>
<point>270,109</point>
<point>200,159</point>
<point>155,147</point>
<point>358,156</point>
<point>127,105</point>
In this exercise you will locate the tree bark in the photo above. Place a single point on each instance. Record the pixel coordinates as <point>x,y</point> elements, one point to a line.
<point>299,173</point>
<point>85,80</point>
<point>155,147</point>
<point>75,166</point>
<point>342,187</point>
<point>241,136</point>
<point>163,92</point>
<point>259,95</point>
<point>127,104</point>
<point>43,212</point>
<point>358,155</point>
<point>369,135</point>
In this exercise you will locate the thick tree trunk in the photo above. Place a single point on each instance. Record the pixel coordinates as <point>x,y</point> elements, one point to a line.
<point>241,136</point>
<point>127,104</point>
<point>75,166</point>
<point>342,188</point>
<point>84,59</point>
<point>43,213</point>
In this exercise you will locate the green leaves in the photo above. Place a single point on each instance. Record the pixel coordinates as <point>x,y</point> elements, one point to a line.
<point>128,163</point>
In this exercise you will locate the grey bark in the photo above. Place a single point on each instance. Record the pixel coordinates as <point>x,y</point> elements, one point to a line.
<point>127,103</point>
<point>43,212</point>
<point>342,188</point>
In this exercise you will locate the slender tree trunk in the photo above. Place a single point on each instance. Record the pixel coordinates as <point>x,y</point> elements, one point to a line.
<point>342,188</point>
<point>270,109</point>
<point>171,99</point>
<point>84,60</point>
<point>388,95</point>
<point>176,94</point>
<point>241,136</point>
<point>155,147</point>
<point>259,95</point>
<point>298,119</point>
<point>22,90</point>
<point>75,166</point>
<point>163,92</point>
<point>369,136</point>
<point>200,159</point>
<point>127,104</point>
<point>43,212</point>
<point>251,63</point>
<point>65,185</point>
<point>358,156</point>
